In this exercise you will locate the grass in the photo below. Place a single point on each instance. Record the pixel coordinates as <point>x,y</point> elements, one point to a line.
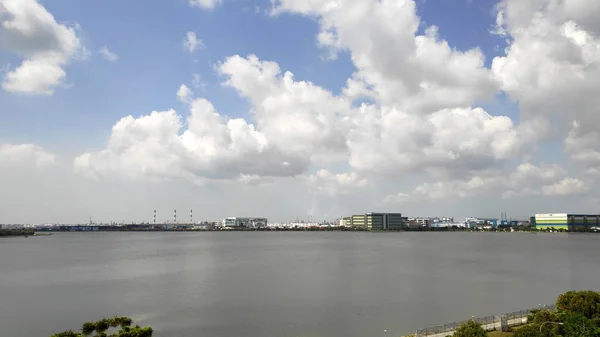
<point>499,334</point>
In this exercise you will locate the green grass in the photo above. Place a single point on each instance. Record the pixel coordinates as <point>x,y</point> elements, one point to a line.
<point>499,334</point>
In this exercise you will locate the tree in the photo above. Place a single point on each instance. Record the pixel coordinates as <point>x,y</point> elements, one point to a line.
<point>123,324</point>
<point>531,330</point>
<point>586,303</point>
<point>470,329</point>
<point>546,316</point>
<point>577,325</point>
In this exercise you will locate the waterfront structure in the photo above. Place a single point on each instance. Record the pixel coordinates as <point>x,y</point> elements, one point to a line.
<point>376,221</point>
<point>481,223</point>
<point>441,222</point>
<point>565,221</point>
<point>246,222</point>
<point>419,222</point>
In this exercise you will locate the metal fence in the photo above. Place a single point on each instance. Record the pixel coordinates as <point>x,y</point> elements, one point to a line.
<point>489,323</point>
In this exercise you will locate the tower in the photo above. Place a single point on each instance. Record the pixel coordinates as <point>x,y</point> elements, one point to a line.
<point>191,221</point>
<point>154,218</point>
<point>174,216</point>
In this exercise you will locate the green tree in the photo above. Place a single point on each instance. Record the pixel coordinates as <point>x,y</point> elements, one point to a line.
<point>470,329</point>
<point>545,316</point>
<point>121,326</point>
<point>577,325</point>
<point>531,330</point>
<point>586,303</point>
<point>549,317</point>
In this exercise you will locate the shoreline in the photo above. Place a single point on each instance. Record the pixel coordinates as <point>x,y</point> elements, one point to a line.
<point>16,232</point>
<point>95,229</point>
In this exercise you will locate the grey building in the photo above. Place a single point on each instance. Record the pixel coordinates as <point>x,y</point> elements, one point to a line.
<point>246,222</point>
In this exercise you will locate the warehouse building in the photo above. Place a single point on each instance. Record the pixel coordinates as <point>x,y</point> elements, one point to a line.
<point>245,222</point>
<point>565,221</point>
<point>377,221</point>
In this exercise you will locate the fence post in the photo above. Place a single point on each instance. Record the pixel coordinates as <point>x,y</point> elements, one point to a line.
<point>504,323</point>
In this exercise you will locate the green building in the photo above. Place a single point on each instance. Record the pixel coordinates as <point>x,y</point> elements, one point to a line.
<point>566,221</point>
<point>377,221</point>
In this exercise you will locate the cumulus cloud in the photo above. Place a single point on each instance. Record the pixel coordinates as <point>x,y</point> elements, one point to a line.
<point>395,66</point>
<point>337,183</point>
<point>184,94</point>
<point>205,4</point>
<point>30,31</point>
<point>108,55</point>
<point>25,154</point>
<point>526,180</point>
<point>191,43</point>
<point>421,118</point>
<point>448,141</point>
<point>299,116</point>
<point>552,68</point>
<point>212,147</point>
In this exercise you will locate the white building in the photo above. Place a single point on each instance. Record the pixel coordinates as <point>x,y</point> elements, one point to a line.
<point>245,222</point>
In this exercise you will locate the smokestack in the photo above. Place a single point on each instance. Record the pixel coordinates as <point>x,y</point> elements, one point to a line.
<point>174,216</point>
<point>191,221</point>
<point>154,217</point>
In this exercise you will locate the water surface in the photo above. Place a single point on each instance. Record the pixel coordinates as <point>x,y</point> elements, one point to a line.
<point>296,284</point>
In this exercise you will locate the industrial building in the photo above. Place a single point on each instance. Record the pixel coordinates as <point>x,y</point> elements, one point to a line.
<point>245,222</point>
<point>565,221</point>
<point>376,221</point>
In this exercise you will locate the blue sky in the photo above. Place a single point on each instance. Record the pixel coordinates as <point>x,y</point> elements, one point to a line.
<point>413,139</point>
<point>147,37</point>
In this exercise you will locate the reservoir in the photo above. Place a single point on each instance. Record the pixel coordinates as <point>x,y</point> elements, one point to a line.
<point>284,284</point>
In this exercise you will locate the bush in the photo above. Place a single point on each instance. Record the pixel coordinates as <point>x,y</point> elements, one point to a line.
<point>577,325</point>
<point>531,330</point>
<point>104,324</point>
<point>586,303</point>
<point>88,328</point>
<point>470,329</point>
<point>68,333</point>
<point>545,316</point>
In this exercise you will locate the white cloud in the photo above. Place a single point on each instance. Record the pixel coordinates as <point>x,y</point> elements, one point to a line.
<point>567,186</point>
<point>211,147</point>
<point>335,184</point>
<point>25,154</point>
<point>298,116</point>
<point>552,68</point>
<point>302,126</point>
<point>191,42</point>
<point>184,94</point>
<point>526,180</point>
<point>108,55</point>
<point>197,81</point>
<point>416,73</point>
<point>451,141</point>
<point>422,122</point>
<point>30,31</point>
<point>399,198</point>
<point>205,4</point>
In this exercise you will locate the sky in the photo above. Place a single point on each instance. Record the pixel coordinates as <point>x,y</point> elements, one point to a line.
<point>297,109</point>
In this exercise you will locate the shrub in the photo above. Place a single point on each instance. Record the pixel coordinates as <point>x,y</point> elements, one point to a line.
<point>586,303</point>
<point>470,329</point>
<point>88,327</point>
<point>104,324</point>
<point>68,333</point>
<point>577,325</point>
<point>531,330</point>
<point>545,316</point>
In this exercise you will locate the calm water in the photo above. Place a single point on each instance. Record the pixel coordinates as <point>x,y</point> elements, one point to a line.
<point>284,284</point>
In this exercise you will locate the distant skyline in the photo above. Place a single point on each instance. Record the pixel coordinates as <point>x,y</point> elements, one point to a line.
<point>291,108</point>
